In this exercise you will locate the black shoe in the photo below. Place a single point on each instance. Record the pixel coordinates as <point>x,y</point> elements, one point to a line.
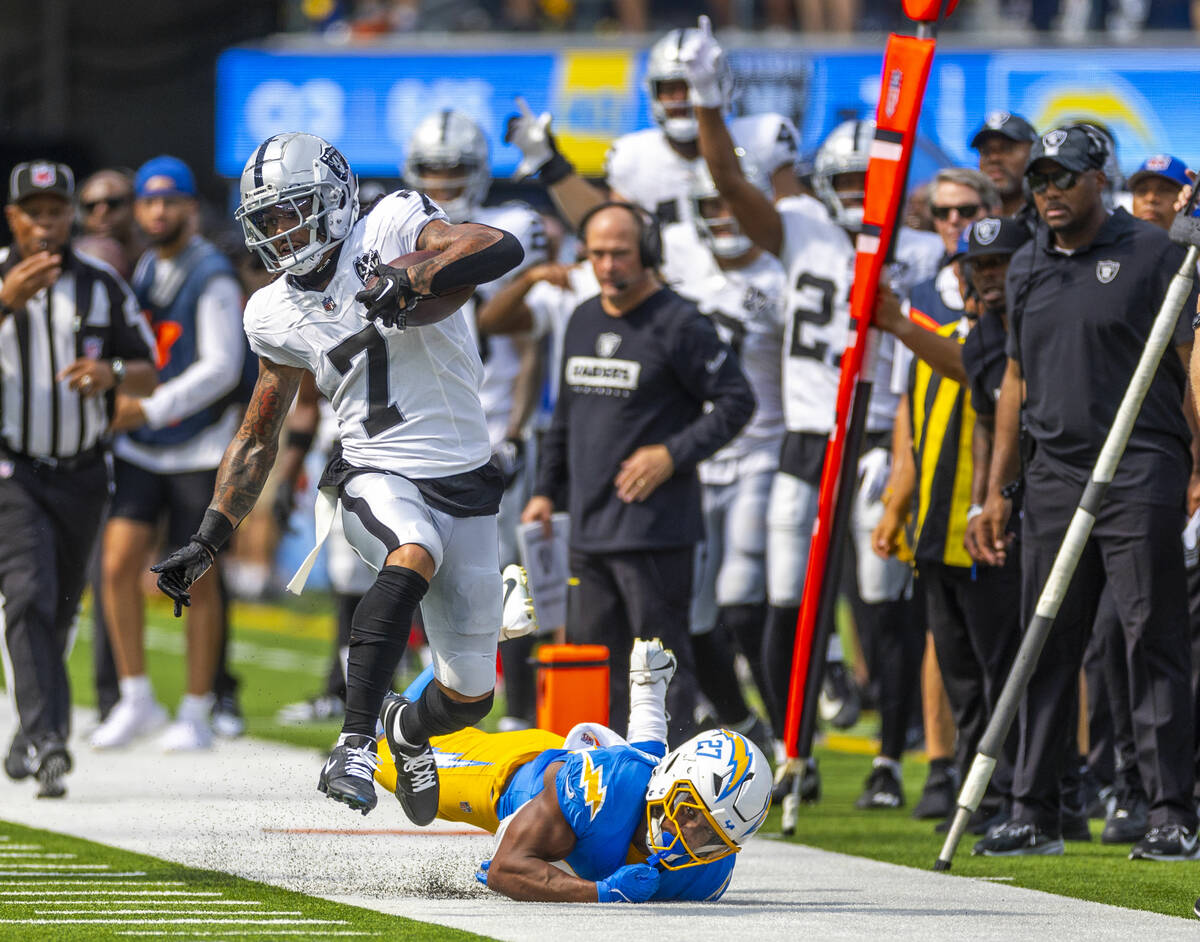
<point>1128,822</point>
<point>881,791</point>
<point>940,791</point>
<point>349,773</point>
<point>51,763</point>
<point>417,787</point>
<point>1170,842</point>
<point>1017,840</point>
<point>1075,826</point>
<point>810,789</point>
<point>839,703</point>
<point>16,763</point>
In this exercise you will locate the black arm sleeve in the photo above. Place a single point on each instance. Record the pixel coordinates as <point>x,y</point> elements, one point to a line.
<point>710,371</point>
<point>480,267</point>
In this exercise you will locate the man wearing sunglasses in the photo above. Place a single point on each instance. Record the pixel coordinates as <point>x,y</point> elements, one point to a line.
<point>106,211</point>
<point>1081,298</point>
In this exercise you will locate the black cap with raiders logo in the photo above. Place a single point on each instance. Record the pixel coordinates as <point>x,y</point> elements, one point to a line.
<point>995,235</point>
<point>1072,148</point>
<point>40,176</point>
<point>1012,126</point>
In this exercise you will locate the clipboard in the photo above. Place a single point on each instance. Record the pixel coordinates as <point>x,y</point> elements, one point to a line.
<point>545,562</point>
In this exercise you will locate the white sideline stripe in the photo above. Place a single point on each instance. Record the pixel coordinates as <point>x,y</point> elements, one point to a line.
<point>60,866</point>
<point>87,877</point>
<point>111,893</point>
<point>161,912</point>
<point>22,846</point>
<point>36,855</point>
<point>172,922</point>
<point>134,902</point>
<point>273,933</point>
<point>100,881</point>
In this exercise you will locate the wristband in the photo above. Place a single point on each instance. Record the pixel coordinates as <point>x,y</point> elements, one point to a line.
<point>215,531</point>
<point>301,440</point>
<point>556,169</point>
<point>974,511</point>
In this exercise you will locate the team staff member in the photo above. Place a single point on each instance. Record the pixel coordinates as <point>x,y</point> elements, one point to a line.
<point>1003,144</point>
<point>1082,296</point>
<point>629,427</point>
<point>71,333</point>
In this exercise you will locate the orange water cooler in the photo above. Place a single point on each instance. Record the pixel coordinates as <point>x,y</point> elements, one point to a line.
<point>572,686</point>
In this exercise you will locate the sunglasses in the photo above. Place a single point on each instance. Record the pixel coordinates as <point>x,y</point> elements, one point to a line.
<point>966,211</point>
<point>110,203</point>
<point>1062,180</point>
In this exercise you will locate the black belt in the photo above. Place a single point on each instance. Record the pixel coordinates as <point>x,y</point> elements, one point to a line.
<point>76,462</point>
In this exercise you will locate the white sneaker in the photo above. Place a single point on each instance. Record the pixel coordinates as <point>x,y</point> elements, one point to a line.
<point>518,618</point>
<point>128,720</point>
<point>186,735</point>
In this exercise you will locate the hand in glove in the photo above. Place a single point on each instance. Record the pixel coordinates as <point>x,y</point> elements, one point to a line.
<point>703,60</point>
<point>178,571</point>
<point>539,153</point>
<point>650,662</point>
<point>633,883</point>
<point>390,298</point>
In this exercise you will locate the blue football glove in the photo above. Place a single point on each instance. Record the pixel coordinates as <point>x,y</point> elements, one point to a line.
<point>481,874</point>
<point>633,883</point>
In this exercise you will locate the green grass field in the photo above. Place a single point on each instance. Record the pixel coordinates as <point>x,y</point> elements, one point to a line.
<point>113,894</point>
<point>280,652</point>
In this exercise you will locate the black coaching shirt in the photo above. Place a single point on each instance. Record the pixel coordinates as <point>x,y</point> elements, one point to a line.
<point>1078,324</point>
<point>640,379</point>
<point>88,312</point>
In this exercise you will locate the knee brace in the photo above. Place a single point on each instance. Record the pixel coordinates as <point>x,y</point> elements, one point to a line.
<point>436,714</point>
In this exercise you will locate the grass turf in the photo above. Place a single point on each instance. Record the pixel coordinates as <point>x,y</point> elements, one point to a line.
<point>280,653</point>
<point>69,913</point>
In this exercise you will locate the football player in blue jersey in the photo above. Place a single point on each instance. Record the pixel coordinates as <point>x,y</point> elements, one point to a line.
<point>594,818</point>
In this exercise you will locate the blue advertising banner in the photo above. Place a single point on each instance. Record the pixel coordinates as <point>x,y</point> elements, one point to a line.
<point>369,101</point>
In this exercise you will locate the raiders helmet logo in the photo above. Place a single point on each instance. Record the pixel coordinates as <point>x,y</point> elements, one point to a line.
<point>365,264</point>
<point>332,158</point>
<point>985,231</point>
<point>997,119</point>
<point>1053,141</point>
<point>1106,270</point>
<point>606,344</point>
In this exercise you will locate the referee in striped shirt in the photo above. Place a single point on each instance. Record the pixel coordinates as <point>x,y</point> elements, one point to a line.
<point>70,334</point>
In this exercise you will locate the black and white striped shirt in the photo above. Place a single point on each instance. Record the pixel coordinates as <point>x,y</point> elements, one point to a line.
<point>88,312</point>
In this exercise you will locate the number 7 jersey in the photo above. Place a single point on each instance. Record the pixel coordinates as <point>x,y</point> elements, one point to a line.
<point>406,401</point>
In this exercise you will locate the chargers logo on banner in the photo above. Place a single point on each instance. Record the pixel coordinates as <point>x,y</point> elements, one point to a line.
<point>596,93</point>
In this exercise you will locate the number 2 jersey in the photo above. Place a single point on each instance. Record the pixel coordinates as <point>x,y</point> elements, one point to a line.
<point>406,401</point>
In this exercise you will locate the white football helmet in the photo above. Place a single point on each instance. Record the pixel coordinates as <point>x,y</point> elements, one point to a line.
<point>847,149</point>
<point>663,65</point>
<point>302,177</point>
<point>715,224</point>
<point>449,140</point>
<point>715,790</point>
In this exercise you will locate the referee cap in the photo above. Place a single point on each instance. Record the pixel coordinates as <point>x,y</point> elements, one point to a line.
<point>40,176</point>
<point>164,176</point>
<point>1161,165</point>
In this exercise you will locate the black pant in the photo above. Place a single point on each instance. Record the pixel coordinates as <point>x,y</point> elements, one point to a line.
<point>637,594</point>
<point>49,520</point>
<point>974,616</point>
<point>1136,550</point>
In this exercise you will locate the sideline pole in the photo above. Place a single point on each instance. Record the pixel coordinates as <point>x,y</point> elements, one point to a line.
<point>1072,546</point>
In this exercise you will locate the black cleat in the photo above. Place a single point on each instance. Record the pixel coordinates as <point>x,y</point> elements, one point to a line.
<point>810,789</point>
<point>882,790</point>
<point>1170,842</point>
<point>417,787</point>
<point>16,763</point>
<point>349,773</point>
<point>52,762</point>
<point>1018,840</point>
<point>1128,822</point>
<point>939,796</point>
<point>839,702</point>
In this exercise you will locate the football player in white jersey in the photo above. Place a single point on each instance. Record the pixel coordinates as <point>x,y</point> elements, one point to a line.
<point>741,288</point>
<point>819,259</point>
<point>653,167</point>
<point>415,484</point>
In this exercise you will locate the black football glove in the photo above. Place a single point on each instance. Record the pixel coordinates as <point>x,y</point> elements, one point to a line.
<point>391,297</point>
<point>178,571</point>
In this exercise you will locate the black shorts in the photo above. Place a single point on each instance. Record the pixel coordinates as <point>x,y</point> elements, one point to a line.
<point>146,496</point>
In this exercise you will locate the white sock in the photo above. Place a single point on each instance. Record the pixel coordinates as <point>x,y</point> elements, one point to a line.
<point>195,708</point>
<point>648,712</point>
<point>885,762</point>
<point>136,689</point>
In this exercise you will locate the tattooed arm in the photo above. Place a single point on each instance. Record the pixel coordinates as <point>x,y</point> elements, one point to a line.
<point>470,254</point>
<point>251,454</point>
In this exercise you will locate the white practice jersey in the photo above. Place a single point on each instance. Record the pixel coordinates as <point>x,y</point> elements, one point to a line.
<point>551,307</point>
<point>643,167</point>
<point>746,306</point>
<point>819,326</point>
<point>501,362</point>
<point>406,401</point>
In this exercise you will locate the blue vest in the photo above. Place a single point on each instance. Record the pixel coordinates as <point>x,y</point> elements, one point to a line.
<point>926,298</point>
<point>202,262</point>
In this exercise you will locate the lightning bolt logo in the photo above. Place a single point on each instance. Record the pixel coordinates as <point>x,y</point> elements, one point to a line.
<point>739,763</point>
<point>591,780</point>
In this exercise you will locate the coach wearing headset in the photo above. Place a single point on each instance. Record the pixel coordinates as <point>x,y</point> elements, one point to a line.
<point>639,364</point>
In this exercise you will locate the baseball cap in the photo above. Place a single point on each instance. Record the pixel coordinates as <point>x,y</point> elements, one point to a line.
<point>1006,124</point>
<point>1161,165</point>
<point>164,176</point>
<point>40,176</point>
<point>1071,148</point>
<point>995,235</point>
